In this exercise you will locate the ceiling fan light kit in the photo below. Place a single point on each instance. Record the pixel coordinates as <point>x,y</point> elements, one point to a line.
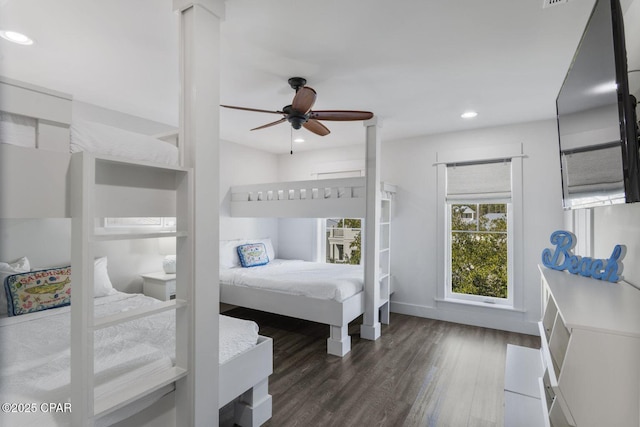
<point>299,112</point>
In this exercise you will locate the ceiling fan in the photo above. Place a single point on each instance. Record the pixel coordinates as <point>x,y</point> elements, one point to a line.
<point>299,113</point>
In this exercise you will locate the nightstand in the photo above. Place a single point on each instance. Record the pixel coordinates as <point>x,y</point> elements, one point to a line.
<point>159,285</point>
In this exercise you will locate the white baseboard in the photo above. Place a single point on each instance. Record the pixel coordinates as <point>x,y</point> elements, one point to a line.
<point>495,319</point>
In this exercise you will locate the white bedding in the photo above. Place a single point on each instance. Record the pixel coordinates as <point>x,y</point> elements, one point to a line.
<point>93,137</point>
<point>104,139</point>
<point>311,279</point>
<point>34,354</point>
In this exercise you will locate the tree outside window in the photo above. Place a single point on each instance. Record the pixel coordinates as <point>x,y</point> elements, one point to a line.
<point>479,252</point>
<point>344,240</point>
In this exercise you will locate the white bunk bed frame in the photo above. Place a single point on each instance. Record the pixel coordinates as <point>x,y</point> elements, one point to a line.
<point>79,186</point>
<point>327,198</point>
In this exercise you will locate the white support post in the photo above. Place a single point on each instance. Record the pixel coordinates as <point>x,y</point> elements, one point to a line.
<point>339,341</point>
<point>82,228</point>
<point>370,328</point>
<point>197,393</point>
<point>254,406</point>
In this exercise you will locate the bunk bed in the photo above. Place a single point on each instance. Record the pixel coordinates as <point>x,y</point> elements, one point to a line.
<point>35,371</point>
<point>329,198</point>
<point>35,135</point>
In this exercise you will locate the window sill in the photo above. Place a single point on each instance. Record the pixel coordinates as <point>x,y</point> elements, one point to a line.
<point>479,304</point>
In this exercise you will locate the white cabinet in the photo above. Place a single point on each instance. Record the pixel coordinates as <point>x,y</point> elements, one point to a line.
<point>588,366</point>
<point>159,285</point>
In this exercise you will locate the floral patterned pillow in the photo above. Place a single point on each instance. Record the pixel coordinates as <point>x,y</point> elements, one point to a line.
<point>253,254</point>
<point>38,290</point>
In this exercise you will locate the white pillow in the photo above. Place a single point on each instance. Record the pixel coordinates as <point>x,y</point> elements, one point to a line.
<point>7,269</point>
<point>101,283</point>
<point>229,253</point>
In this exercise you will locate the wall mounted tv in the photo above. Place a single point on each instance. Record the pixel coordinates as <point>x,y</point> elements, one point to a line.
<point>596,117</point>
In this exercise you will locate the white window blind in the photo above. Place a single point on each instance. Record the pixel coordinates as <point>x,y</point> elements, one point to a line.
<point>479,180</point>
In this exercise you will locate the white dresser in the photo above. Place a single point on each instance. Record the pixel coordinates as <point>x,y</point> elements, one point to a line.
<point>587,372</point>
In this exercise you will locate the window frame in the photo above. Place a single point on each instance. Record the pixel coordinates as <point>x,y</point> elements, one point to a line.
<point>324,230</point>
<point>448,292</point>
<point>475,154</point>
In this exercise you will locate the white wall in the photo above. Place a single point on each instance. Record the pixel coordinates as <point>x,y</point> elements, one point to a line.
<point>409,165</point>
<point>300,166</point>
<point>298,238</point>
<point>242,165</point>
<point>619,224</point>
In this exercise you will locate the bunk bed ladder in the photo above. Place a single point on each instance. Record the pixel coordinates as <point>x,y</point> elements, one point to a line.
<point>96,183</point>
<point>387,192</point>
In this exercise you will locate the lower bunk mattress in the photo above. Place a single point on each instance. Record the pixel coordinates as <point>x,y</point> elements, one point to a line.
<point>35,358</point>
<point>324,281</point>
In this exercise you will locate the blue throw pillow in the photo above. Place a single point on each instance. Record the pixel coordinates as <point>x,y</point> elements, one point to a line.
<point>253,254</point>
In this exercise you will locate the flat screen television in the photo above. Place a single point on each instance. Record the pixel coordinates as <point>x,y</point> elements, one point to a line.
<point>596,117</point>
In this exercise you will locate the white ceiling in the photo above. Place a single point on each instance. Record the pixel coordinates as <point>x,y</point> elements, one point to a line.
<point>416,64</point>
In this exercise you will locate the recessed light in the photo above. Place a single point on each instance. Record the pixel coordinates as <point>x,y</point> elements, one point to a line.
<point>298,140</point>
<point>468,114</point>
<point>16,37</point>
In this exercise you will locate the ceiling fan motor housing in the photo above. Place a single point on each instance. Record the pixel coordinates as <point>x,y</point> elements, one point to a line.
<point>297,82</point>
<point>297,121</point>
<point>294,117</point>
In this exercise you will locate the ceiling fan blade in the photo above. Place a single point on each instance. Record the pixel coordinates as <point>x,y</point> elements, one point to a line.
<point>277,122</point>
<point>316,127</point>
<point>341,115</point>
<point>251,109</point>
<point>304,100</point>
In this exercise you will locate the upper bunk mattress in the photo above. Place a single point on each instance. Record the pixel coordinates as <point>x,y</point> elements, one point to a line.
<point>310,279</point>
<point>35,355</point>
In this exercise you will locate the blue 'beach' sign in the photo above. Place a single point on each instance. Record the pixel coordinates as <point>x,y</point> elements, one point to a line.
<point>562,258</point>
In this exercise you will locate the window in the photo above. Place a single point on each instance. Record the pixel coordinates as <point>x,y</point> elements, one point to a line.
<point>164,223</point>
<point>480,227</point>
<point>343,240</point>
<point>478,245</point>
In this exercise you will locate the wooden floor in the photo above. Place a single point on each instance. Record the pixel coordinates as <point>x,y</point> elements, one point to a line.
<point>420,372</point>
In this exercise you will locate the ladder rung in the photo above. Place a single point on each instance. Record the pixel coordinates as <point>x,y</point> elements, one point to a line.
<point>124,395</point>
<point>137,313</point>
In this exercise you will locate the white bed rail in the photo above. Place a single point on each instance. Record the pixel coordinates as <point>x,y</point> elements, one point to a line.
<point>324,198</point>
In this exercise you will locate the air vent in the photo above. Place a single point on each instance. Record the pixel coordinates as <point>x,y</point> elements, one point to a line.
<point>549,3</point>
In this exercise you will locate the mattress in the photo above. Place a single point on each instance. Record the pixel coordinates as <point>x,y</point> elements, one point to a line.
<point>34,358</point>
<point>310,279</point>
<point>92,137</point>
<point>103,139</point>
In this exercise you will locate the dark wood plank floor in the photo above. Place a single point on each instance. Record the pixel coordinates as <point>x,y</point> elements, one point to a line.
<point>421,372</point>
